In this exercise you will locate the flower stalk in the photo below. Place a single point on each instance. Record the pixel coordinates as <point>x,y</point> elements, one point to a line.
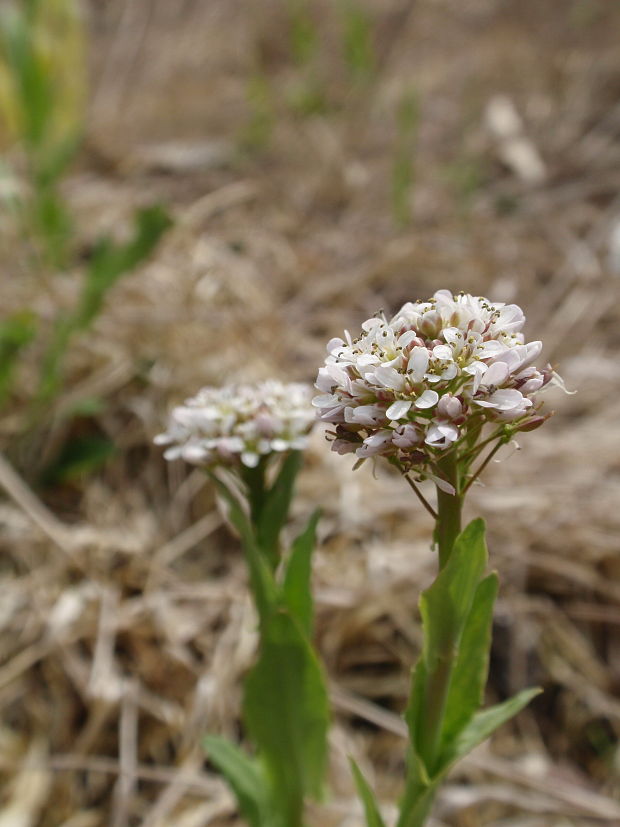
<point>255,435</point>
<point>449,507</point>
<point>430,390</point>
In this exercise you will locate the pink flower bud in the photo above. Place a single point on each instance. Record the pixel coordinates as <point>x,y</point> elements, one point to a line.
<point>533,423</point>
<point>449,407</point>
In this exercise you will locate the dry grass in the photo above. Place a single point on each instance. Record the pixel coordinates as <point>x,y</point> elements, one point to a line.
<point>125,626</point>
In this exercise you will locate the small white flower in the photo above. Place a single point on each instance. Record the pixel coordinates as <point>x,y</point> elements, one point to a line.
<point>510,403</point>
<point>441,434</point>
<point>238,424</point>
<point>375,444</point>
<point>364,415</point>
<point>343,446</point>
<point>406,436</point>
<point>411,386</point>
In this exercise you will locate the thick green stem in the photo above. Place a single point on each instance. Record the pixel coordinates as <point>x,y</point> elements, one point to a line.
<point>449,507</point>
<point>254,479</point>
<point>416,817</point>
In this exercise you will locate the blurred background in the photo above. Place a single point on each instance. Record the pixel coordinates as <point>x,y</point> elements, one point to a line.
<point>203,192</point>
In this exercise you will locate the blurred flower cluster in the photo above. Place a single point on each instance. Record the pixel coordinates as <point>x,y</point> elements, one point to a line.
<point>430,377</point>
<point>238,424</point>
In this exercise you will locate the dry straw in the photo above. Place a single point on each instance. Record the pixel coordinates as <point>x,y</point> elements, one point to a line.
<point>124,626</point>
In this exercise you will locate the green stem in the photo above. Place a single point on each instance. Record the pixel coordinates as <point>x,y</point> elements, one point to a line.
<point>254,479</point>
<point>449,507</point>
<point>416,817</point>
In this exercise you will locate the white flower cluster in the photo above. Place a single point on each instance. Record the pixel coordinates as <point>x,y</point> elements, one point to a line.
<point>417,384</point>
<point>239,424</point>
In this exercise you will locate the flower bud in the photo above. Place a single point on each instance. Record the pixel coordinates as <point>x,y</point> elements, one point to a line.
<point>449,407</point>
<point>533,423</point>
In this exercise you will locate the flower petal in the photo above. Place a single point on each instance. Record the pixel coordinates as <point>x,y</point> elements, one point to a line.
<point>427,399</point>
<point>398,409</point>
<point>496,374</point>
<point>418,363</point>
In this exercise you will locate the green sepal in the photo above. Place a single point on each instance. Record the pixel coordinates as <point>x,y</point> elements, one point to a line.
<point>296,587</point>
<point>371,808</point>
<point>276,505</point>
<point>287,715</point>
<point>244,776</point>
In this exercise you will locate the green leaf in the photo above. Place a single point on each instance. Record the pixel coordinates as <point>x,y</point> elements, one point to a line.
<point>418,795</point>
<point>109,261</point>
<point>16,333</point>
<point>304,36</point>
<point>78,457</point>
<point>358,46</point>
<point>414,714</point>
<point>276,506</point>
<point>419,788</point>
<point>449,679</point>
<point>261,580</point>
<point>33,86</point>
<point>51,368</point>
<point>472,665</point>
<point>485,723</point>
<point>287,715</point>
<point>371,809</point>
<point>53,223</point>
<point>444,606</point>
<point>86,406</point>
<point>244,776</point>
<point>56,159</point>
<point>296,588</point>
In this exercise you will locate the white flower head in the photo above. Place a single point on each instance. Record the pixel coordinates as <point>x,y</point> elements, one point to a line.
<point>237,425</point>
<point>415,385</point>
